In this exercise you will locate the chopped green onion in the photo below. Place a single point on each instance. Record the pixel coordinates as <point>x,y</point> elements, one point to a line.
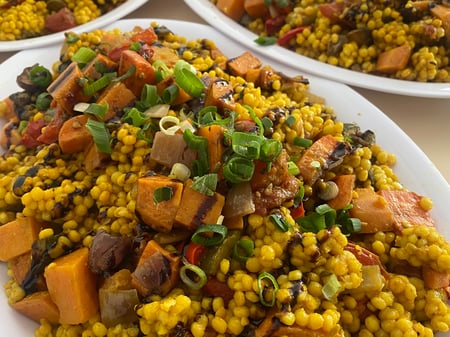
<point>163,193</point>
<point>245,144</point>
<point>290,120</point>
<point>243,250</point>
<point>199,275</point>
<point>293,169</point>
<point>270,150</point>
<point>71,38</point>
<point>40,76</point>
<point>238,170</point>
<point>209,235</point>
<point>266,122</point>
<point>100,134</point>
<point>280,222</point>
<point>208,115</point>
<point>303,142</point>
<point>200,166</point>
<point>127,74</point>
<point>136,46</point>
<point>331,287</point>
<point>180,171</point>
<point>171,120</point>
<point>161,70</point>
<point>149,96</point>
<point>97,110</point>
<point>98,85</point>
<point>170,93</point>
<point>83,56</point>
<point>266,40</point>
<point>255,119</point>
<point>134,117</point>
<point>263,288</point>
<point>205,184</point>
<point>186,77</point>
<point>43,101</point>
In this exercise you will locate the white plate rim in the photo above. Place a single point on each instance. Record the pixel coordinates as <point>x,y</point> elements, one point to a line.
<point>209,12</point>
<point>35,42</point>
<point>420,176</point>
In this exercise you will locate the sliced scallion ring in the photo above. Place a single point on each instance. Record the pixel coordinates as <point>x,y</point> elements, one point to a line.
<point>331,287</point>
<point>171,120</point>
<point>163,193</point>
<point>279,221</point>
<point>83,56</point>
<point>100,134</point>
<point>198,273</point>
<point>98,85</point>
<point>186,77</point>
<point>264,288</point>
<point>238,170</point>
<point>209,235</point>
<point>243,249</point>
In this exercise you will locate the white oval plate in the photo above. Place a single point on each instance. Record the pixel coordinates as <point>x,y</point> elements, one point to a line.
<point>414,169</point>
<point>209,12</point>
<point>35,42</point>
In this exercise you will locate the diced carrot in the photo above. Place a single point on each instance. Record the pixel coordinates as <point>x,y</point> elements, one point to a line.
<point>239,65</point>
<point>158,214</point>
<point>197,208</point>
<point>317,153</point>
<point>232,8</point>
<point>393,60</point>
<point>17,236</point>
<point>434,279</point>
<point>405,207</point>
<point>65,89</point>
<point>220,94</point>
<point>256,8</point>
<point>214,134</point>
<point>38,306</point>
<point>157,270</point>
<point>373,211</point>
<point>72,286</point>
<point>144,72</point>
<point>117,96</point>
<point>74,136</point>
<point>345,183</point>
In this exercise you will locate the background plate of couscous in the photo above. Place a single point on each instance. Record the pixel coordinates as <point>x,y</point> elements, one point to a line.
<point>234,30</point>
<point>39,41</point>
<point>415,171</point>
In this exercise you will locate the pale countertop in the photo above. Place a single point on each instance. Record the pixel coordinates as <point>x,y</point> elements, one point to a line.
<point>426,121</point>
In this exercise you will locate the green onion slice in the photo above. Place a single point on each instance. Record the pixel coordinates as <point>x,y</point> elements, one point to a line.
<point>280,222</point>
<point>205,184</point>
<point>186,77</point>
<point>98,85</point>
<point>270,150</point>
<point>200,166</point>
<point>40,76</point>
<point>243,249</point>
<point>149,95</point>
<point>100,134</point>
<point>163,193</point>
<point>209,235</point>
<point>267,290</point>
<point>293,169</point>
<point>199,276</point>
<point>290,120</point>
<point>135,117</point>
<point>266,40</point>
<point>303,142</point>
<point>43,101</point>
<point>170,93</point>
<point>161,70</point>
<point>245,144</point>
<point>238,170</point>
<point>83,56</point>
<point>97,110</point>
<point>256,119</point>
<point>331,287</point>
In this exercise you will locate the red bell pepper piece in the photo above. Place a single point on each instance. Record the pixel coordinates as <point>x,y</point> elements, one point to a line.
<point>297,212</point>
<point>365,256</point>
<point>273,25</point>
<point>193,252</point>
<point>284,39</point>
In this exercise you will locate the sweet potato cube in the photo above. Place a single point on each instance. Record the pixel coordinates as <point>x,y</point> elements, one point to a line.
<point>197,208</point>
<point>20,265</point>
<point>144,73</point>
<point>393,60</point>
<point>442,12</point>
<point>158,214</point>
<point>256,8</point>
<point>345,183</point>
<point>239,65</point>
<point>17,236</point>
<point>72,286</point>
<point>220,94</point>
<point>234,9</point>
<point>405,207</point>
<point>373,211</point>
<point>157,270</point>
<point>38,306</point>
<point>90,69</point>
<point>434,279</point>
<point>74,136</point>
<point>117,96</point>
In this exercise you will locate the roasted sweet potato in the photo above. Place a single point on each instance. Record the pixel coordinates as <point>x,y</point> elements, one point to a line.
<point>90,69</point>
<point>93,158</point>
<point>74,136</point>
<point>158,214</point>
<point>373,211</point>
<point>143,71</point>
<point>197,208</point>
<point>157,270</point>
<point>239,65</point>
<point>345,184</point>
<point>215,135</point>
<point>442,12</point>
<point>256,8</point>
<point>220,94</point>
<point>17,236</point>
<point>232,8</point>
<point>393,60</point>
<point>20,265</point>
<point>434,279</point>
<point>72,286</point>
<point>405,207</point>
<point>38,306</point>
<point>117,96</point>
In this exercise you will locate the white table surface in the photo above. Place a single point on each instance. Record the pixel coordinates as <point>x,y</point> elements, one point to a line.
<point>425,120</point>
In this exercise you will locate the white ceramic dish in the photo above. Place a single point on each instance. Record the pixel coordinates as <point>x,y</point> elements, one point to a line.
<point>209,12</point>
<point>414,169</point>
<point>35,42</point>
